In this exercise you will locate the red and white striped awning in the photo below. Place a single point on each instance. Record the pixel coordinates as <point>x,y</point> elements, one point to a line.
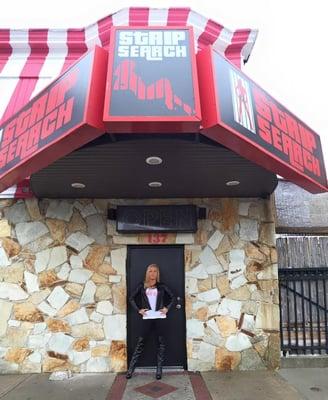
<point>31,58</point>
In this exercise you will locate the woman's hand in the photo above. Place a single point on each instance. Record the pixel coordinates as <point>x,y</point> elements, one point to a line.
<point>164,310</point>
<point>143,311</point>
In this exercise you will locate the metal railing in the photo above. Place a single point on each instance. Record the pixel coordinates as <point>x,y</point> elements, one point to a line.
<point>303,310</point>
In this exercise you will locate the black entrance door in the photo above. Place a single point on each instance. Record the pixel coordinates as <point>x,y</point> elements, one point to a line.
<point>171,262</point>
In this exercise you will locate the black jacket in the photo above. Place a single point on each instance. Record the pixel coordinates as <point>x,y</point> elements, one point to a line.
<point>139,299</point>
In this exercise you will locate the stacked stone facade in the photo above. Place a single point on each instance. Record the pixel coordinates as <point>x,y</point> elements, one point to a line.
<point>63,285</point>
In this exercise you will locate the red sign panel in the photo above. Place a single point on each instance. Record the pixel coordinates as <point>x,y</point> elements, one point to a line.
<point>152,81</point>
<point>243,117</point>
<point>63,117</point>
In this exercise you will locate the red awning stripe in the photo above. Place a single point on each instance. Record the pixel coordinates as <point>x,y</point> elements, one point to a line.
<point>29,60</point>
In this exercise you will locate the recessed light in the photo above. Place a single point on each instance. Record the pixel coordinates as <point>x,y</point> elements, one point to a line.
<point>78,185</point>
<point>155,184</point>
<point>154,160</point>
<point>232,183</point>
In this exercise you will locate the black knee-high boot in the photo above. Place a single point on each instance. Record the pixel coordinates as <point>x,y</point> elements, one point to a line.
<point>136,354</point>
<point>160,356</point>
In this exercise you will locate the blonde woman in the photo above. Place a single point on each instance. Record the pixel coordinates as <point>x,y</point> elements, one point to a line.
<point>152,300</point>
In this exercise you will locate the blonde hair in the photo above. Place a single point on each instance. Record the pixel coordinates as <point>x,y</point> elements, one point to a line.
<point>146,279</point>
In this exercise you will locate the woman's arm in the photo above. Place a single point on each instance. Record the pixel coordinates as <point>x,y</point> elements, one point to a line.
<point>134,294</point>
<point>170,296</point>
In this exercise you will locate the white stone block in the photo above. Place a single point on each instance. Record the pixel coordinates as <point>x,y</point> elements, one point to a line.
<point>77,317</point>
<point>42,260</point>
<point>249,229</point>
<point>47,309</point>
<point>115,327</point>
<point>64,272</point>
<point>210,296</point>
<point>229,307</point>
<point>215,240</point>
<point>12,291</point>
<point>59,342</point>
<point>58,256</point>
<point>80,275</point>
<point>79,357</point>
<point>191,285</point>
<point>78,241</point>
<point>118,257</point>
<point>198,272</point>
<point>238,282</point>
<point>195,328</point>
<point>76,262</point>
<point>88,294</point>
<point>238,342</point>
<point>31,281</point>
<point>206,352</point>
<point>185,238</point>
<point>207,257</point>
<point>4,260</point>
<point>57,298</point>
<point>97,364</point>
<point>60,209</point>
<point>28,232</point>
<point>105,307</point>
<point>115,278</point>
<point>39,327</point>
<point>96,317</point>
<point>35,357</point>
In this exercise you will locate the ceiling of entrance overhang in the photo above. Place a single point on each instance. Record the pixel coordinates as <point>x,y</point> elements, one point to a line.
<point>116,167</point>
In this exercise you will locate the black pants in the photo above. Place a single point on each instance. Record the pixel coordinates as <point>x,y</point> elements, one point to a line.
<point>155,327</point>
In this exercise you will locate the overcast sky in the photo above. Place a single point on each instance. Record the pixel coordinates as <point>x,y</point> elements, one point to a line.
<point>289,58</point>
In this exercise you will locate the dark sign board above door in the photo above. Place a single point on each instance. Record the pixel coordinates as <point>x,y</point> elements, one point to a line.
<point>240,115</point>
<point>152,81</point>
<point>63,117</point>
<point>133,219</point>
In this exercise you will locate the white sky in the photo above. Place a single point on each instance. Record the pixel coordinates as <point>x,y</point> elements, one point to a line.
<point>289,58</point>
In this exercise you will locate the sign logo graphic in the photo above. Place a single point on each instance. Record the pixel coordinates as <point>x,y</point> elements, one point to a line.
<point>152,45</point>
<point>241,101</point>
<point>126,79</point>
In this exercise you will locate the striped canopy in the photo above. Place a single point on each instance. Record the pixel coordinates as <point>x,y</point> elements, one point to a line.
<point>31,58</point>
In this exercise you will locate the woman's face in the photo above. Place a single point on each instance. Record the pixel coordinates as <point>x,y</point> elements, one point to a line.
<point>152,273</point>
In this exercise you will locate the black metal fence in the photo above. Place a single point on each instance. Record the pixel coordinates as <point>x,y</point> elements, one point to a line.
<point>303,291</point>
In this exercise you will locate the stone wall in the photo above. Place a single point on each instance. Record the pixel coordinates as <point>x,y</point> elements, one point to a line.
<point>63,286</point>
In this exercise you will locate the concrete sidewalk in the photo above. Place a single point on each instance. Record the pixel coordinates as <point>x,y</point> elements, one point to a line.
<point>287,384</point>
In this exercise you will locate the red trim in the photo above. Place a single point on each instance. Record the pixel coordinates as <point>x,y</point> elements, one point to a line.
<point>233,51</point>
<point>23,190</point>
<point>104,27</point>
<point>118,387</point>
<point>151,124</point>
<point>138,16</point>
<point>199,387</point>
<point>5,47</point>
<point>177,16</point>
<point>210,35</point>
<point>76,47</point>
<point>30,73</point>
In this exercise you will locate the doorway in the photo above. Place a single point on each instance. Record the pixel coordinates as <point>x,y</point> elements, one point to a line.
<point>171,262</point>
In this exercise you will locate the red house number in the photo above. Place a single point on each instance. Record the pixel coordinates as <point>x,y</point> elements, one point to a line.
<point>157,237</point>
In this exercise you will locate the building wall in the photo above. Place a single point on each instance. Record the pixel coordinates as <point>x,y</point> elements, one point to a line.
<point>63,286</point>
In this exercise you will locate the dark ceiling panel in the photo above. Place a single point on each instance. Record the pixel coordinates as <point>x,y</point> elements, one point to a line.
<point>115,167</point>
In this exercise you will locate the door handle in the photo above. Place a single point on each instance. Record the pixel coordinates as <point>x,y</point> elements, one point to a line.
<point>178,306</point>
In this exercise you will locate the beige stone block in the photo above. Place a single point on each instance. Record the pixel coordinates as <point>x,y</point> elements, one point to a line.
<point>32,206</point>
<point>76,223</point>
<point>230,215</point>
<point>99,278</point>
<point>17,354</point>
<point>81,344</point>
<point>5,311</point>
<point>13,274</point>
<point>51,364</point>
<point>224,246</point>
<point>242,293</point>
<point>226,360</point>
<point>103,292</point>
<point>252,270</point>
<point>272,355</point>
<point>201,237</point>
<point>118,355</point>
<point>57,325</point>
<point>106,269</point>
<point>204,284</point>
<point>90,330</point>
<point>201,313</point>
<point>273,255</point>
<point>49,279</point>
<point>119,298</point>
<point>57,229</point>
<point>96,257</point>
<point>74,289</point>
<point>27,312</point>
<point>227,325</point>
<point>125,239</point>
<point>12,248</point>
<point>5,229</point>
<point>253,251</point>
<point>223,285</point>
<point>267,233</point>
<point>267,317</point>
<point>100,351</point>
<point>15,337</point>
<point>68,308</point>
<point>38,297</point>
